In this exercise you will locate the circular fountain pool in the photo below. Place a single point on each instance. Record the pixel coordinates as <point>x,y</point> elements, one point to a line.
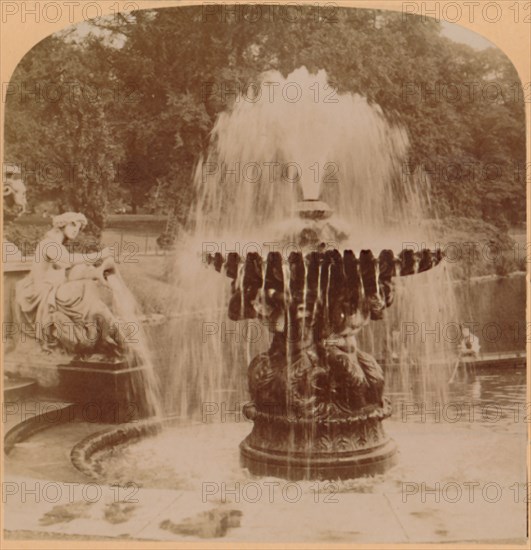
<point>478,434</point>
<point>460,474</point>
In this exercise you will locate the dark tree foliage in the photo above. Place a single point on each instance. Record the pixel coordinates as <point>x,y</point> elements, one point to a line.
<point>156,72</point>
<point>58,126</point>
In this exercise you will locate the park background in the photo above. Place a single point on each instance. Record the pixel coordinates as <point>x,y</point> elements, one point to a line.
<point>111,117</point>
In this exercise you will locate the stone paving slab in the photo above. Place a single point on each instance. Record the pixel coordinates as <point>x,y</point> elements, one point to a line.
<point>340,518</point>
<point>81,509</point>
<point>190,507</point>
<point>352,518</point>
<point>446,521</point>
<point>112,518</point>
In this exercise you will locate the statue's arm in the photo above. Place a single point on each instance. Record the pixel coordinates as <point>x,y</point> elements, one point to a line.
<point>68,259</point>
<point>56,253</point>
<point>77,259</point>
<point>97,260</point>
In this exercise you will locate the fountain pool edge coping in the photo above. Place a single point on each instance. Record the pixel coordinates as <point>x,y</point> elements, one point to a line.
<point>40,422</point>
<point>83,452</point>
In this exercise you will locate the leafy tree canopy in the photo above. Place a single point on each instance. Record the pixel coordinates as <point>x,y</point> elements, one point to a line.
<point>124,110</point>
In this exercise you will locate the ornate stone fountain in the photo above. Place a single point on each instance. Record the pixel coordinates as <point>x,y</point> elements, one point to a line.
<point>317,399</point>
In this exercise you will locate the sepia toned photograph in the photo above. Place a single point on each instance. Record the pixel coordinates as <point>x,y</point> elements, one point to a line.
<point>264,276</point>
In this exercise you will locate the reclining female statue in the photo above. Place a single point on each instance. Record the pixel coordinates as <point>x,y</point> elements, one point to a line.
<point>59,302</point>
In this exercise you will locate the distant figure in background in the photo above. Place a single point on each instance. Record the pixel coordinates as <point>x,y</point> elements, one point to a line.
<point>469,344</point>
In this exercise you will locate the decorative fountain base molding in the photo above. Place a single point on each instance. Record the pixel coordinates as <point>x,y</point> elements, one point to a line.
<point>298,449</point>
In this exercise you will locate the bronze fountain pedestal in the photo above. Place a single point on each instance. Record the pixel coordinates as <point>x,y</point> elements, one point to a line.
<point>316,399</point>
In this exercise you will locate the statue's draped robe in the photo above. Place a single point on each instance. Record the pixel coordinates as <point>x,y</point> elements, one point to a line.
<point>64,309</point>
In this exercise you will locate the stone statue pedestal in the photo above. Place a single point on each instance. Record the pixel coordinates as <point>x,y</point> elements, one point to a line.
<point>105,392</point>
<point>102,391</point>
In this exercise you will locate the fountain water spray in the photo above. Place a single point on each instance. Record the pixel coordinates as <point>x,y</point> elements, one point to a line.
<point>264,159</point>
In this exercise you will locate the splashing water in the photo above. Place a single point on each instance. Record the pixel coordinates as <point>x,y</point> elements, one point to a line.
<point>265,157</point>
<point>145,396</point>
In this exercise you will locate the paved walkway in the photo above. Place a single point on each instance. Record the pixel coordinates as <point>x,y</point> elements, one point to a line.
<point>245,515</point>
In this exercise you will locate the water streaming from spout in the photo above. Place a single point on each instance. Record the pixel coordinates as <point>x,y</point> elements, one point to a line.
<point>264,158</point>
<point>145,398</point>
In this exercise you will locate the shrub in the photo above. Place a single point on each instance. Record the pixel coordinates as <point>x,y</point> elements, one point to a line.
<point>24,236</point>
<point>503,265</point>
<point>27,236</point>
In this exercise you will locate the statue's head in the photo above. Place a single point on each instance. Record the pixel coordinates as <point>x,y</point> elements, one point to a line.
<point>70,223</point>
